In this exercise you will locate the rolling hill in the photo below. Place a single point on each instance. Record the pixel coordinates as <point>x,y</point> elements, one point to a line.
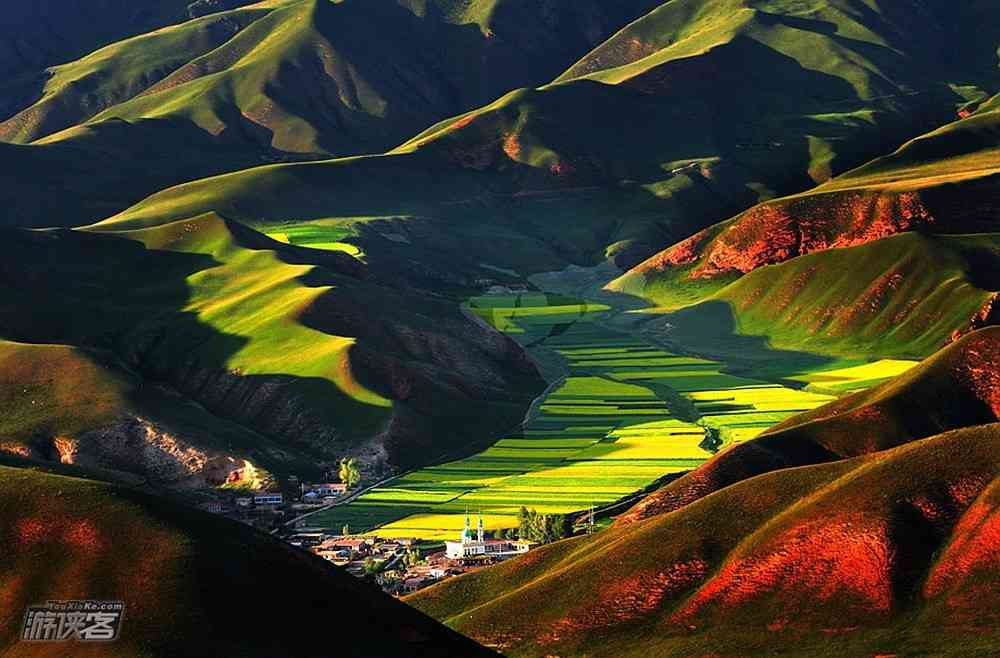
<point>943,182</point>
<point>37,35</point>
<point>322,77</point>
<point>273,81</point>
<point>864,527</point>
<point>227,346</point>
<point>536,168</point>
<point>193,584</point>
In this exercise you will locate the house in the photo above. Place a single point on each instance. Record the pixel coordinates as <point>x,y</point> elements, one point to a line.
<point>268,499</point>
<point>213,506</point>
<point>325,489</point>
<point>355,546</point>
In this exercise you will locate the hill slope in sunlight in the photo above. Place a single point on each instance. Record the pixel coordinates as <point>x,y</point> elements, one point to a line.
<point>864,527</point>
<point>291,354</point>
<point>704,128</point>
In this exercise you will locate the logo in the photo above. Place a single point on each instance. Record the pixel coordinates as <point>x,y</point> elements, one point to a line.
<point>80,621</point>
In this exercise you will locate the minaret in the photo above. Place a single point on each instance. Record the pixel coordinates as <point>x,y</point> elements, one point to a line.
<point>467,531</point>
<point>480,531</point>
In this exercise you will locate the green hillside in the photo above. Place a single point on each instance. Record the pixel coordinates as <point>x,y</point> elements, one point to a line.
<point>537,172</point>
<point>274,81</point>
<point>275,338</point>
<point>193,584</point>
<point>871,555</point>
<point>43,33</point>
<point>299,75</point>
<point>899,297</point>
<point>942,182</point>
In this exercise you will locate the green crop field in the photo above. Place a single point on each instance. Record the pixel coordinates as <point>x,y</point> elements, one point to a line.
<point>317,235</point>
<point>622,415</point>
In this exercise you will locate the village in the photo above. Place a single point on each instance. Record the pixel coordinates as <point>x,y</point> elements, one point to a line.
<point>399,565</point>
<point>403,565</point>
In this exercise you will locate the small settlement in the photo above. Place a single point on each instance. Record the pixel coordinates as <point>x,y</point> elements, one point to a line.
<point>400,565</point>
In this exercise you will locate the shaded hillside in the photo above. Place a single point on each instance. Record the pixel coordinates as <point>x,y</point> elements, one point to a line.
<point>535,168</point>
<point>292,354</point>
<point>94,171</point>
<point>42,33</point>
<point>318,77</point>
<point>190,581</point>
<point>275,81</point>
<point>888,552</point>
<point>944,182</point>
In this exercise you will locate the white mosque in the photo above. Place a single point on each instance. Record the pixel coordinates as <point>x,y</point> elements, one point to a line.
<point>479,547</point>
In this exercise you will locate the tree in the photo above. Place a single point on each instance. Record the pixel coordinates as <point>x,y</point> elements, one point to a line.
<point>543,528</point>
<point>372,567</point>
<point>349,473</point>
<point>412,558</point>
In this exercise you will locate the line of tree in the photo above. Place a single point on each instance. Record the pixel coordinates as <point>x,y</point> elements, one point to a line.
<point>538,527</point>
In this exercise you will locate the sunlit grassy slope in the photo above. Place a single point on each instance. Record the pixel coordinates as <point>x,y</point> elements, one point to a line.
<point>302,75</point>
<point>943,182</point>
<point>696,138</point>
<point>903,296</point>
<point>272,81</point>
<point>278,338</point>
<point>887,552</point>
<point>181,572</point>
<point>40,34</point>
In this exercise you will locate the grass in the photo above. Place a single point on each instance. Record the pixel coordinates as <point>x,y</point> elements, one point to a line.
<point>719,565</point>
<point>239,324</point>
<point>607,429</point>
<point>906,296</point>
<point>778,265</point>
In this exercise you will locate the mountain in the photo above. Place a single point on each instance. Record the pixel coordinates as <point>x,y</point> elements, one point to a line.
<point>318,77</point>
<point>273,81</point>
<point>193,584</point>
<point>37,35</point>
<point>229,353</point>
<point>863,527</point>
<point>943,182</point>
<point>705,125</point>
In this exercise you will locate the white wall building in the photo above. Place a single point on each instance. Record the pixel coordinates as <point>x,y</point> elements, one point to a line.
<point>469,547</point>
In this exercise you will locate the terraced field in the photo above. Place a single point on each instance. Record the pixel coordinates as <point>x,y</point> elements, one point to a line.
<point>621,414</point>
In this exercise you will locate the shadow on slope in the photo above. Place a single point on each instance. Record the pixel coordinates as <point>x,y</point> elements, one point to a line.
<point>287,350</point>
<point>197,575</point>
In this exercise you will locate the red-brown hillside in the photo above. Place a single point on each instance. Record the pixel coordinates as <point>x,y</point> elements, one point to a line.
<point>894,551</point>
<point>944,182</point>
<point>957,387</point>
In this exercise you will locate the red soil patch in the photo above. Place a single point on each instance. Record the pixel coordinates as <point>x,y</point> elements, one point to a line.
<point>975,547</point>
<point>512,147</point>
<point>847,557</point>
<point>980,371</point>
<point>776,232</point>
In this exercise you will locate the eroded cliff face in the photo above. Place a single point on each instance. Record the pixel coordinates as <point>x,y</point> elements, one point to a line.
<point>150,449</point>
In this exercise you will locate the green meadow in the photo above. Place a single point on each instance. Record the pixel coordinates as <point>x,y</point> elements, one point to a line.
<point>620,415</point>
